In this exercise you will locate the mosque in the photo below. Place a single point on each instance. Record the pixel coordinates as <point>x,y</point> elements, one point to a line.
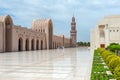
<point>40,36</point>
<point>107,31</point>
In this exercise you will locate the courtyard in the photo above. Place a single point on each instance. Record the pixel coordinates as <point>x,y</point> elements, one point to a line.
<point>55,64</point>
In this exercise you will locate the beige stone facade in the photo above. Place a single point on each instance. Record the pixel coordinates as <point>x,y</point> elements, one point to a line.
<point>39,36</point>
<point>107,31</point>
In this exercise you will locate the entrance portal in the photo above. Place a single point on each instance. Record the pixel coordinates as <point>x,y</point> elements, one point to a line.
<point>102,45</point>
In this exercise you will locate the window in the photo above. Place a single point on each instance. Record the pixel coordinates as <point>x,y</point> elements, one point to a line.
<point>117,30</point>
<point>113,30</point>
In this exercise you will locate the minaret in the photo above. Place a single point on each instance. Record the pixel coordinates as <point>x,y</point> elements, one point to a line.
<point>73,32</point>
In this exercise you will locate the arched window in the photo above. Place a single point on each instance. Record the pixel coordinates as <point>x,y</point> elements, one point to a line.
<point>41,44</point>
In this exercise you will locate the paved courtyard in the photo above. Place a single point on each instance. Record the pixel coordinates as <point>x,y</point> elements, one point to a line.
<point>57,64</point>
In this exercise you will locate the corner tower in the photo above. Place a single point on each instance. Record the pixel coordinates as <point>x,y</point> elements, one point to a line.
<point>73,32</point>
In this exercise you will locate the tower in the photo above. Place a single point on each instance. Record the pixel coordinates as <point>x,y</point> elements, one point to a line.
<point>73,32</point>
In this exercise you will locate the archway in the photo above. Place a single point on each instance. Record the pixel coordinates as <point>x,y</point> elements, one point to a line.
<point>37,45</point>
<point>41,44</point>
<point>102,35</point>
<point>32,44</point>
<point>53,45</point>
<point>8,33</point>
<point>20,44</point>
<point>27,45</point>
<point>102,39</point>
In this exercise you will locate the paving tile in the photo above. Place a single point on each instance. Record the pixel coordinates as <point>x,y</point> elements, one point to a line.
<point>67,64</point>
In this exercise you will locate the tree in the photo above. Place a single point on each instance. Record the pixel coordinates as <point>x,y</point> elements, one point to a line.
<point>117,72</point>
<point>83,43</point>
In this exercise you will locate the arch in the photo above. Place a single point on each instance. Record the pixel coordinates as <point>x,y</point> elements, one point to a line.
<point>41,44</point>
<point>49,32</point>
<point>8,24</point>
<point>27,45</point>
<point>102,33</point>
<point>44,25</point>
<point>57,45</point>
<point>6,17</point>
<point>53,45</point>
<point>37,45</point>
<point>20,44</point>
<point>32,44</point>
<point>43,30</point>
<point>102,39</point>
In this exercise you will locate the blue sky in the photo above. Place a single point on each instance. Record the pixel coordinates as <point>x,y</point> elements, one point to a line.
<point>86,12</point>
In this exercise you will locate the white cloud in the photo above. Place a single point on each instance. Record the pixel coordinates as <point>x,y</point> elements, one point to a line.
<point>87,13</point>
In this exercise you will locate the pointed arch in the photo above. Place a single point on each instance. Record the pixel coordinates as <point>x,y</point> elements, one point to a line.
<point>32,44</point>
<point>53,45</point>
<point>20,44</point>
<point>37,45</point>
<point>41,44</point>
<point>8,24</point>
<point>27,45</point>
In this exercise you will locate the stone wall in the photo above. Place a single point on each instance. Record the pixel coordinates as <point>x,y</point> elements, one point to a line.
<point>107,31</point>
<point>27,35</point>
<point>40,36</point>
<point>1,37</point>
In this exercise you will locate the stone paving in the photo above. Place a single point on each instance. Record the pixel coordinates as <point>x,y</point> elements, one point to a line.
<point>57,64</point>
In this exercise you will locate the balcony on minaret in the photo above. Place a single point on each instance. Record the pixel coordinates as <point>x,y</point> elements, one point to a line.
<point>73,23</point>
<point>73,31</point>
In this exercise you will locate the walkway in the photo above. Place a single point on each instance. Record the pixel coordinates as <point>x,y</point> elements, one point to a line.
<point>58,64</point>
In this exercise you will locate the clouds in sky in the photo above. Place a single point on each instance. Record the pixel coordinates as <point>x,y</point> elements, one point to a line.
<point>86,12</point>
